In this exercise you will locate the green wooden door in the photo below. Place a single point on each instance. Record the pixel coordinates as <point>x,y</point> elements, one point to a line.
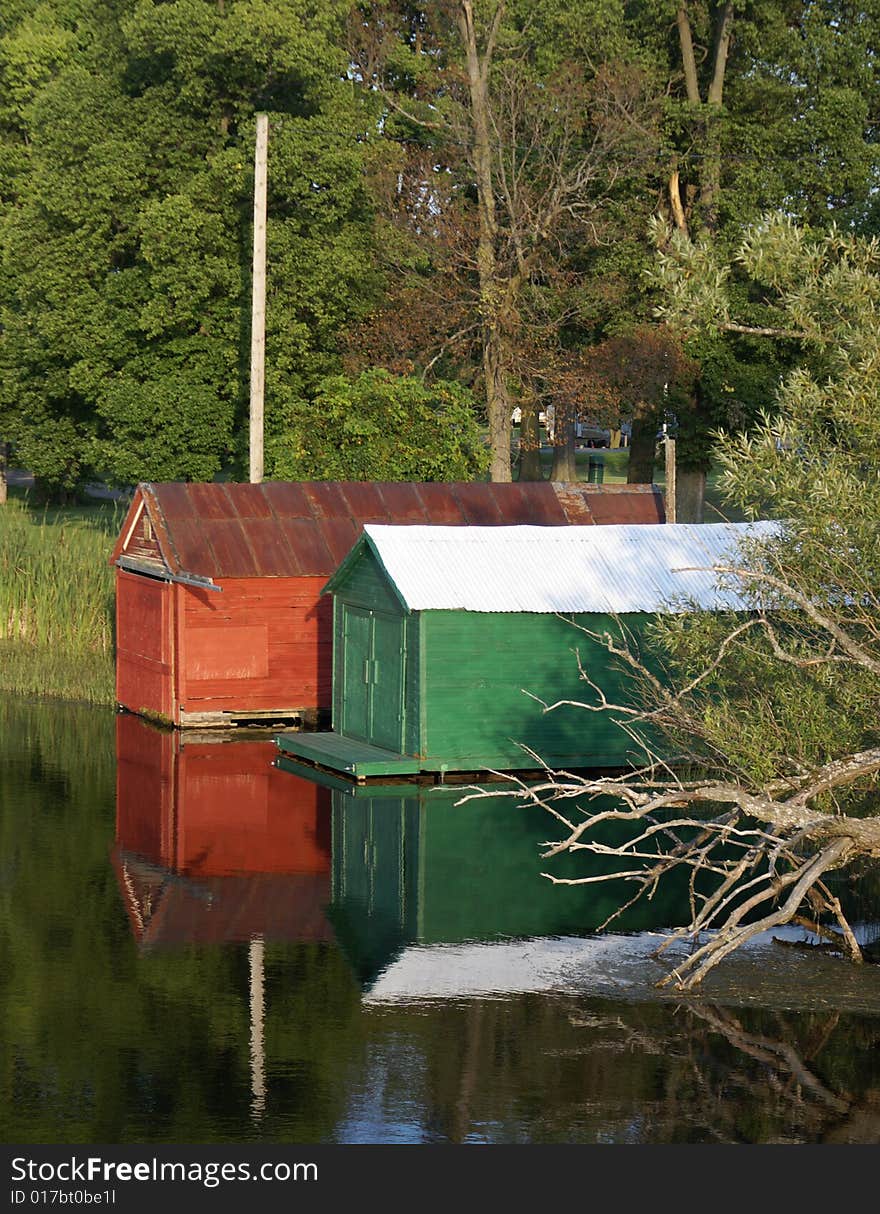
<point>372,677</point>
<point>386,686</point>
<point>356,646</point>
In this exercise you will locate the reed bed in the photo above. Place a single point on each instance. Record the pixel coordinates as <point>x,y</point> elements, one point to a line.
<point>56,602</point>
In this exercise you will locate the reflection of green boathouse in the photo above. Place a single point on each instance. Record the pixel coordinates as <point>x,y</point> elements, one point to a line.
<point>445,639</point>
<point>410,866</point>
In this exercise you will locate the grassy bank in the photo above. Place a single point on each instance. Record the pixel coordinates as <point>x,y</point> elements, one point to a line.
<point>56,600</point>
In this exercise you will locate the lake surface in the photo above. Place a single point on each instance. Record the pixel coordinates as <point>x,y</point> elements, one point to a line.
<point>196,946</point>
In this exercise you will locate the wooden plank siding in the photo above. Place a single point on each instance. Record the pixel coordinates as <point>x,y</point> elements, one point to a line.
<point>478,668</point>
<point>261,645</point>
<point>414,685</point>
<point>144,648</point>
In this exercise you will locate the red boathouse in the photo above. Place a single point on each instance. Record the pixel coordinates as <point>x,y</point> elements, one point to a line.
<point>219,616</point>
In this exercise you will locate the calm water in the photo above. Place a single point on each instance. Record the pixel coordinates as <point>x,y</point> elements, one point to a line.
<point>196,946</point>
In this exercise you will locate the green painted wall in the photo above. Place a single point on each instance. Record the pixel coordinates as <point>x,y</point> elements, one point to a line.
<point>413,684</point>
<point>366,585</point>
<point>478,668</point>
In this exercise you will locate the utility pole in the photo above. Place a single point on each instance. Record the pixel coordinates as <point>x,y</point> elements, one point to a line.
<point>258,306</point>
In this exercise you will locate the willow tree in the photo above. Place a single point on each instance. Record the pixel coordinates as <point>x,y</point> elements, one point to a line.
<point>767,104</point>
<point>772,713</point>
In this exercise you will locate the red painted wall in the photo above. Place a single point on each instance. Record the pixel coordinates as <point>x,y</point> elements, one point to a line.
<point>144,644</point>
<point>260,644</point>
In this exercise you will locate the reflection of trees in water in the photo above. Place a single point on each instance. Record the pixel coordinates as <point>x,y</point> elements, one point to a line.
<point>538,1070</point>
<point>788,1078</point>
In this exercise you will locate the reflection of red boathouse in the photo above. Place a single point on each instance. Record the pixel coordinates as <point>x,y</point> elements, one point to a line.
<point>214,843</point>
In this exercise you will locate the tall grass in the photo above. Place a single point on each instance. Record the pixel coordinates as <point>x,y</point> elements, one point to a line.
<point>56,602</point>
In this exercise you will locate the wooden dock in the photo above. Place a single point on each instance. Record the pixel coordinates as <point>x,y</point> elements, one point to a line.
<point>358,760</point>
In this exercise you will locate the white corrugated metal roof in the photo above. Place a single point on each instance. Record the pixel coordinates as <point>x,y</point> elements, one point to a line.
<point>609,569</point>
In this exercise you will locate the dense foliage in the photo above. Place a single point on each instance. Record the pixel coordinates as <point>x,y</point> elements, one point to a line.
<point>376,426</point>
<point>127,135</point>
<point>459,190</point>
<point>597,116</point>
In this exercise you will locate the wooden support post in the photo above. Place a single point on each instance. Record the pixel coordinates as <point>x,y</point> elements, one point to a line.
<point>4,463</point>
<point>669,448</point>
<point>258,307</point>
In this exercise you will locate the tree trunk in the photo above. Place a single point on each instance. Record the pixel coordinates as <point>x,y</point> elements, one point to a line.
<point>564,451</point>
<point>690,496</point>
<point>688,60</point>
<point>530,466</point>
<point>4,463</point>
<point>497,405</point>
<point>691,486</point>
<point>494,363</point>
<point>642,449</point>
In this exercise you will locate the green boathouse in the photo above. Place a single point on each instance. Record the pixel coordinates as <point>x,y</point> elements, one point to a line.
<point>448,642</point>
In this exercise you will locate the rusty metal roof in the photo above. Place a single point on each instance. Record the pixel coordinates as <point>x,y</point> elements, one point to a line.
<point>305,529</point>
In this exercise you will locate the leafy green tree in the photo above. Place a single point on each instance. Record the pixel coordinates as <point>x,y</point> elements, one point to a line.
<point>126,234</point>
<point>517,149</point>
<point>776,708</point>
<point>743,105</point>
<point>383,427</point>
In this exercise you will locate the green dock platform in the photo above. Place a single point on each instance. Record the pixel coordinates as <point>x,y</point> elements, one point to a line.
<point>359,760</point>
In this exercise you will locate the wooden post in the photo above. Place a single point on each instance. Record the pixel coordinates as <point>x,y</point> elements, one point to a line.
<point>258,307</point>
<point>4,461</point>
<point>669,448</point>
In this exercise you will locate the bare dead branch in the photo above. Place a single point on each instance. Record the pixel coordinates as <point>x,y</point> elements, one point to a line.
<point>821,619</point>
<point>695,968</point>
